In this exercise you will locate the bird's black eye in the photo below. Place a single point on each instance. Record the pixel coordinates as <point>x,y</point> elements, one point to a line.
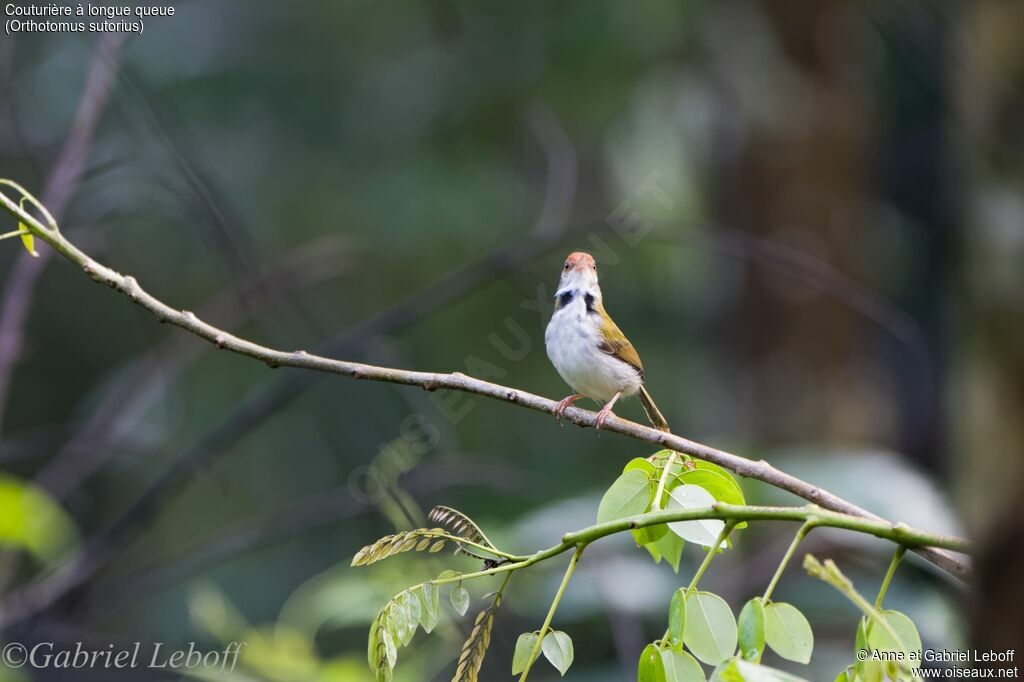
<point>566,266</point>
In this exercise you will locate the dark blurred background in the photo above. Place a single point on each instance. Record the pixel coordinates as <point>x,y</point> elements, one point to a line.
<point>808,216</point>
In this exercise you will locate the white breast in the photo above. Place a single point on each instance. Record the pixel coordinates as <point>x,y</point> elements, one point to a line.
<point>572,340</point>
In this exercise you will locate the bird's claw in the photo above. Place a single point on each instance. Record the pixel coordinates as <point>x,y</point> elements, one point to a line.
<point>559,410</point>
<point>602,417</point>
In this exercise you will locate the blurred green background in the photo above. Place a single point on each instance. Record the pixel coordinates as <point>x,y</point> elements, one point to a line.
<point>808,217</point>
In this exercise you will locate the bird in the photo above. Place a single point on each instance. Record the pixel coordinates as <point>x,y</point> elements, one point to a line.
<point>589,350</point>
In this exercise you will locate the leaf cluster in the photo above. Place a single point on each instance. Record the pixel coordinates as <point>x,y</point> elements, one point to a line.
<point>396,624</point>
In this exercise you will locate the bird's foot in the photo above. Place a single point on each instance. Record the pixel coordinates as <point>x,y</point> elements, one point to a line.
<point>606,411</point>
<point>602,416</point>
<point>559,410</point>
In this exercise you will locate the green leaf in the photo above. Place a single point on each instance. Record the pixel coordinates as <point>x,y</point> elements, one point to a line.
<point>711,466</point>
<point>398,622</point>
<point>677,617</point>
<point>31,520</point>
<point>710,628</point>
<point>752,629</point>
<point>700,531</point>
<point>389,646</point>
<point>845,676</point>
<point>557,647</point>
<point>738,670</point>
<point>669,547</point>
<point>871,671</point>
<point>651,667</point>
<point>430,603</point>
<point>722,488</point>
<point>27,238</point>
<point>413,611</point>
<point>460,600</point>
<point>524,647</point>
<point>787,632</point>
<point>879,639</point>
<point>649,534</point>
<point>629,495</point>
<point>681,667</point>
<point>640,464</point>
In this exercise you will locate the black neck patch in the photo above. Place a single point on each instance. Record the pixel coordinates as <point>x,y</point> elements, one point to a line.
<point>589,300</point>
<point>565,298</point>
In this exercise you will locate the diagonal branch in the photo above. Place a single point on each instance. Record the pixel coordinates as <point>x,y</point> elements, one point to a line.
<point>457,381</point>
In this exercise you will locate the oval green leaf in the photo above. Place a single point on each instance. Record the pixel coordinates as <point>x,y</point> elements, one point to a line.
<point>651,667</point>
<point>460,600</point>
<point>677,617</point>
<point>649,534</point>
<point>628,496</point>
<point>751,626</point>
<point>710,631</point>
<point>524,647</point>
<point>669,547</point>
<point>721,486</point>
<point>640,464</point>
<point>788,633</point>
<point>397,624</point>
<point>701,531</point>
<point>557,647</point>
<point>711,466</point>
<point>27,238</point>
<point>681,667</point>
<point>413,609</point>
<point>430,606</point>
<point>879,639</point>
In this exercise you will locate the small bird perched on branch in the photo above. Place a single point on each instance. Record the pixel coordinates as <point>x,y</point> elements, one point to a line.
<point>589,350</point>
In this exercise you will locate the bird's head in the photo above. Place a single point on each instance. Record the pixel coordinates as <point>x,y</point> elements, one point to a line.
<point>579,272</point>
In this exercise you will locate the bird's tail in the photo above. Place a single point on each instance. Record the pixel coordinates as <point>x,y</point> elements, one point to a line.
<point>653,413</point>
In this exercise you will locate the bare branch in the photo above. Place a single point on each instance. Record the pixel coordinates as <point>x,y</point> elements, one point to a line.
<point>457,381</point>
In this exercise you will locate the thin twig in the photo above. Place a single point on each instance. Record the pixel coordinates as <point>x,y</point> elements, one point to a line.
<point>800,535</point>
<point>535,651</point>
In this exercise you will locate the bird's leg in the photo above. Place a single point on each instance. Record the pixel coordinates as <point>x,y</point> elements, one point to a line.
<point>564,403</point>
<point>605,411</point>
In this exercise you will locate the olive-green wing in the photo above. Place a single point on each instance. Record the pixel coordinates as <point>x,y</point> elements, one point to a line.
<point>615,343</point>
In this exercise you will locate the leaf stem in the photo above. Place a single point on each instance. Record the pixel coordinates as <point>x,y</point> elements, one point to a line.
<point>551,612</point>
<point>712,551</point>
<point>831,574</point>
<point>664,480</point>
<point>736,513</point>
<point>800,535</point>
<point>459,540</point>
<point>896,557</point>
